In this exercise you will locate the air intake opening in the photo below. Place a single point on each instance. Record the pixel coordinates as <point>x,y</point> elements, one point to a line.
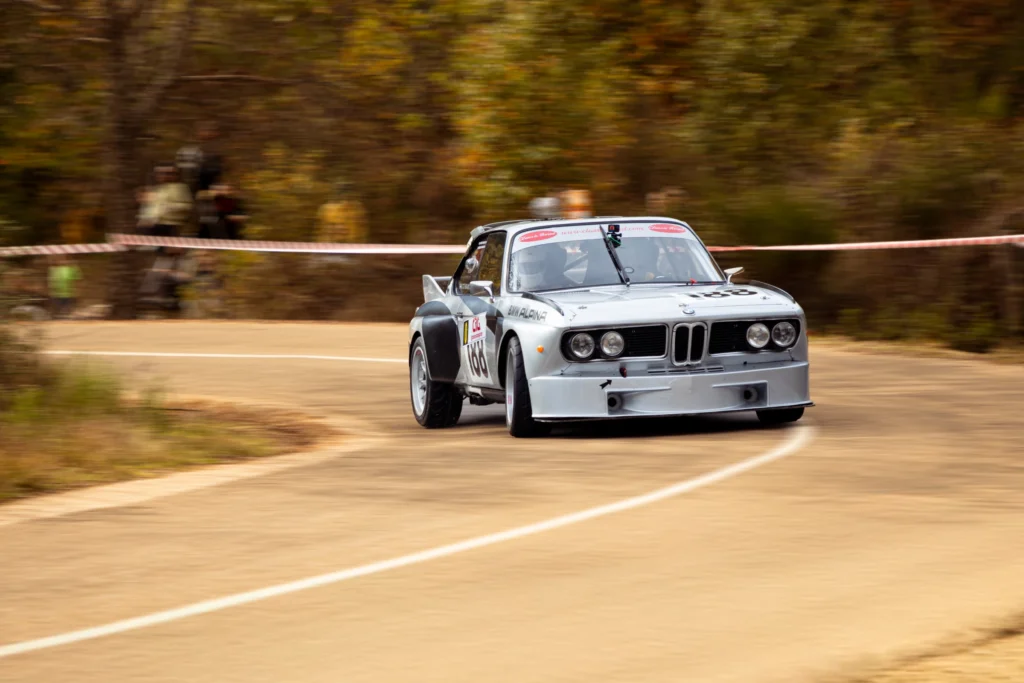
<point>614,402</point>
<point>697,344</point>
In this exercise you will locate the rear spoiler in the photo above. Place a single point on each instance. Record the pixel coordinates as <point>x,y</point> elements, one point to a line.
<point>434,287</point>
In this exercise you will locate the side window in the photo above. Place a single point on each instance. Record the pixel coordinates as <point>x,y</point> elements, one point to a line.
<point>490,262</point>
<point>470,268</point>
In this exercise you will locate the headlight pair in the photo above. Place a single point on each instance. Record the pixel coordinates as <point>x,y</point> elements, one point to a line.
<point>582,345</point>
<point>783,334</point>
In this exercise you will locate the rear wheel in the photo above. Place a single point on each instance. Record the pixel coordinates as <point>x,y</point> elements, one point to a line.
<point>435,404</point>
<point>518,408</point>
<point>778,417</point>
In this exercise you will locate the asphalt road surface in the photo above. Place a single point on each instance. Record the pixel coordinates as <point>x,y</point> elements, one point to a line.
<point>894,519</point>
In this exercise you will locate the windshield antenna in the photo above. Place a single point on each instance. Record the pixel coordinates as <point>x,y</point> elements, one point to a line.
<point>611,245</point>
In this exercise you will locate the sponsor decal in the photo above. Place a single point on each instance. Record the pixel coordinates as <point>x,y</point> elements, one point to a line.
<point>591,231</point>
<point>527,313</point>
<point>537,236</point>
<point>474,329</point>
<point>668,228</point>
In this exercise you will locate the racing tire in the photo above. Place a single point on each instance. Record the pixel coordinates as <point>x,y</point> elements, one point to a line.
<point>781,416</point>
<point>518,408</point>
<point>435,405</point>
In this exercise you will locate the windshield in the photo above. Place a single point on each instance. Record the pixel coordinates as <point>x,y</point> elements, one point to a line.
<point>575,256</point>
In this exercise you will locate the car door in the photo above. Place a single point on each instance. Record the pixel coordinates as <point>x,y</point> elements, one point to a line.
<point>475,315</point>
<point>491,270</point>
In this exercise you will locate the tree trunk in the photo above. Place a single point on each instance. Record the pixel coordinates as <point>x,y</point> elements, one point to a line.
<point>119,163</point>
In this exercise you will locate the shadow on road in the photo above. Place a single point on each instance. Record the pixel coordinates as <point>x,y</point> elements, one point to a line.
<point>631,427</point>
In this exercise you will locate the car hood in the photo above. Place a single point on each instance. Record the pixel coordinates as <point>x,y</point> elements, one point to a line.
<point>646,303</point>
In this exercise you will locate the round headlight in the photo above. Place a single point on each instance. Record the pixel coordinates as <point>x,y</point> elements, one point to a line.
<point>784,334</point>
<point>758,336</point>
<point>582,346</point>
<point>612,344</point>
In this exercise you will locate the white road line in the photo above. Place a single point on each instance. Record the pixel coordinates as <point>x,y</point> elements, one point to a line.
<point>798,438</point>
<point>251,356</point>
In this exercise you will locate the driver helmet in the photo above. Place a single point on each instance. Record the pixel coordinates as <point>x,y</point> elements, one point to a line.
<point>540,266</point>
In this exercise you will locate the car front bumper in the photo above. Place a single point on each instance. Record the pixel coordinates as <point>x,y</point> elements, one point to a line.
<point>560,397</point>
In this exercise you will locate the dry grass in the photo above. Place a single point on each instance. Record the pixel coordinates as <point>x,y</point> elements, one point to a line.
<point>75,427</point>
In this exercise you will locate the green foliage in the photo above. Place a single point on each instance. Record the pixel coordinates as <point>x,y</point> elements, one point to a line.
<point>981,337</point>
<point>781,122</point>
<point>776,215</point>
<point>48,394</point>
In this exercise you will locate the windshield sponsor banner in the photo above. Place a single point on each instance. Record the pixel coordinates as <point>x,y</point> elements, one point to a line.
<point>574,233</point>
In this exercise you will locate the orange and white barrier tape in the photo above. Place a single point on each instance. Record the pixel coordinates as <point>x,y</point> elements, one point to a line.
<point>125,242</point>
<point>55,249</point>
<point>906,244</point>
<point>286,247</point>
<point>343,248</point>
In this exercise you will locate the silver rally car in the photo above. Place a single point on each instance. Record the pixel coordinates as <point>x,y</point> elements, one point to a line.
<point>602,318</point>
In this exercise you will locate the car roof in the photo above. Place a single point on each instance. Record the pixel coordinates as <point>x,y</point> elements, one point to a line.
<point>519,225</point>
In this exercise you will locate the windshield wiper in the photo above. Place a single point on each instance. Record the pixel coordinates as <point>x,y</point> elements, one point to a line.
<point>615,257</point>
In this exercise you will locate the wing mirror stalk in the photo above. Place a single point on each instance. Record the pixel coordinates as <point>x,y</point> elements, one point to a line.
<point>730,272</point>
<point>482,288</point>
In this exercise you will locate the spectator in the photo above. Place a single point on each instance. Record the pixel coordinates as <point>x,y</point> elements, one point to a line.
<point>545,207</point>
<point>576,204</point>
<point>169,205</point>
<point>63,276</point>
<point>163,285</point>
<point>202,169</point>
<point>229,213</point>
<point>145,219</point>
<point>207,286</point>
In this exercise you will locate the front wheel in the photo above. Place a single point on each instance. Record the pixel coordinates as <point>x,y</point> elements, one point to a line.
<point>518,408</point>
<point>435,404</point>
<point>778,417</point>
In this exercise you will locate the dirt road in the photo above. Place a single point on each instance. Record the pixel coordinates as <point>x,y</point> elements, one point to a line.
<point>899,522</point>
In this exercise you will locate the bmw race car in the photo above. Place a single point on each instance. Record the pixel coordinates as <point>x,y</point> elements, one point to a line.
<point>602,318</point>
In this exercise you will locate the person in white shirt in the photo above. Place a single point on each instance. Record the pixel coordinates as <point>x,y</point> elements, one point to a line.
<point>168,205</point>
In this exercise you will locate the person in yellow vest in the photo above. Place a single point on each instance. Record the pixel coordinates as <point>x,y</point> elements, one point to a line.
<point>63,280</point>
<point>342,218</point>
<point>576,204</point>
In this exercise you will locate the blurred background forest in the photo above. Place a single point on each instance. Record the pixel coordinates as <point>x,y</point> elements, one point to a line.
<point>779,122</point>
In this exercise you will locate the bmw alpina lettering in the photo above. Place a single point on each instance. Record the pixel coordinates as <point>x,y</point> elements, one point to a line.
<point>538,310</point>
<point>527,313</point>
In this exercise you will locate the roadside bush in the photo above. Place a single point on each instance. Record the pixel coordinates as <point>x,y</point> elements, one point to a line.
<point>65,425</point>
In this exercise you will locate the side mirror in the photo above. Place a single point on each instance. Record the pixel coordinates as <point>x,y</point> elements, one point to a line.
<point>729,272</point>
<point>482,288</point>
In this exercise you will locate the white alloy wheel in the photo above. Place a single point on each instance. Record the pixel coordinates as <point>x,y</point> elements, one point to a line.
<point>418,381</point>
<point>510,389</point>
